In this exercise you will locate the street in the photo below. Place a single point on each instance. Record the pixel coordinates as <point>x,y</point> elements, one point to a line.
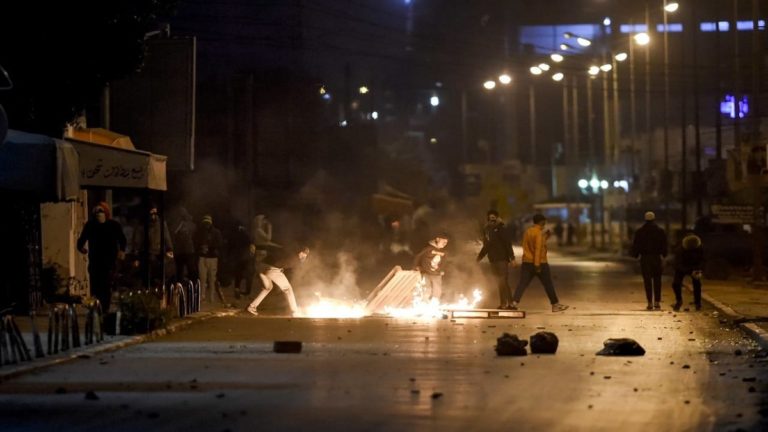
<point>410,374</point>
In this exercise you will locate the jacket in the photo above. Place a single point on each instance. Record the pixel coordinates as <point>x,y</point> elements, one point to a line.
<point>429,260</point>
<point>649,240</point>
<point>689,255</point>
<point>535,245</point>
<point>496,244</point>
<point>208,242</point>
<point>104,240</point>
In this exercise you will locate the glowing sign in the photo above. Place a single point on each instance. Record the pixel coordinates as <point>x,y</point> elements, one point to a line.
<point>728,106</point>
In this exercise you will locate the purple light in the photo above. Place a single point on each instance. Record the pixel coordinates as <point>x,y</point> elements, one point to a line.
<point>727,106</point>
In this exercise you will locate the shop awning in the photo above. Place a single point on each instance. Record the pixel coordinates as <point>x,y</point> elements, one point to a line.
<point>109,160</point>
<point>40,165</point>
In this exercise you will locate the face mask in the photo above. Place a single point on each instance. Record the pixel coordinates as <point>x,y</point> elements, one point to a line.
<point>101,217</point>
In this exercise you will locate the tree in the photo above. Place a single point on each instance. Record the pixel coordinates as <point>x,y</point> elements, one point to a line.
<point>60,55</point>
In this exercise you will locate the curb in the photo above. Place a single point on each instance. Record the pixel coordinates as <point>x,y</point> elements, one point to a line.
<point>35,365</point>
<point>751,329</point>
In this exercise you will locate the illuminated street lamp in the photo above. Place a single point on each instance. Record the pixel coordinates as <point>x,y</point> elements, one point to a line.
<point>671,7</point>
<point>594,70</point>
<point>642,38</point>
<point>606,67</point>
<point>505,79</point>
<point>621,56</point>
<point>536,70</point>
<point>583,41</point>
<point>434,101</point>
<point>557,58</point>
<point>489,85</point>
<point>565,47</point>
<point>544,67</point>
<point>363,90</point>
<point>558,76</point>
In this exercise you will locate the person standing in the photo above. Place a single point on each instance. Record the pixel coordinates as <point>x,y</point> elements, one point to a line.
<point>535,264</point>
<point>429,262</point>
<point>559,230</point>
<point>650,245</point>
<point>498,248</point>
<point>243,256</point>
<point>183,235</point>
<point>208,241</point>
<point>106,245</point>
<point>272,271</point>
<point>689,260</point>
<point>155,257</point>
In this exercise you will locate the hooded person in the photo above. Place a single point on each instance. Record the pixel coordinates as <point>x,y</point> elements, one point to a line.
<point>105,246</point>
<point>158,246</point>
<point>429,261</point>
<point>208,243</point>
<point>183,236</point>
<point>689,261</point>
<point>272,271</point>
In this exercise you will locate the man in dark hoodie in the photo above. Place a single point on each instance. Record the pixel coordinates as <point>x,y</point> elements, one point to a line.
<point>650,245</point>
<point>429,262</point>
<point>208,242</point>
<point>106,244</point>
<point>689,260</point>
<point>272,271</point>
<point>498,247</point>
<point>183,234</point>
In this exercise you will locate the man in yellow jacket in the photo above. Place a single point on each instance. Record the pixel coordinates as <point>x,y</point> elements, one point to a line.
<point>535,263</point>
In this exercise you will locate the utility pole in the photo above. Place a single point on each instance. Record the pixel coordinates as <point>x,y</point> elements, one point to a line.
<point>665,191</point>
<point>758,273</point>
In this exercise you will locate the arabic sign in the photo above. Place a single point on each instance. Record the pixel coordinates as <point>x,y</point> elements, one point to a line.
<point>109,167</point>
<point>739,214</point>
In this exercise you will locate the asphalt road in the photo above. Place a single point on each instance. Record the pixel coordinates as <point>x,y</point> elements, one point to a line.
<point>386,374</point>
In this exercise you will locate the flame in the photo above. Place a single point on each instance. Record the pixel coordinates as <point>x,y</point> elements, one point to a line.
<point>422,307</point>
<point>333,308</point>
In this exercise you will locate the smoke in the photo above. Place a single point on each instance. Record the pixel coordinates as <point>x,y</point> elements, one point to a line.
<point>338,282</point>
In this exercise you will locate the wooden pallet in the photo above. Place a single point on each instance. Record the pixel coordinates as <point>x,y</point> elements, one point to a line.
<point>484,313</point>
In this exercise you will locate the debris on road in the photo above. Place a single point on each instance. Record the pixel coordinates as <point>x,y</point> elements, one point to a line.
<point>287,347</point>
<point>621,347</point>
<point>544,343</point>
<point>511,345</point>
<point>91,395</point>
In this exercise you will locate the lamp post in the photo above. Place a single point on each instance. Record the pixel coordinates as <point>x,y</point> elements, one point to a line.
<point>594,188</point>
<point>668,7</point>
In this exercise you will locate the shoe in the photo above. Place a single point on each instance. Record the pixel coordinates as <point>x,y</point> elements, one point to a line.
<point>513,306</point>
<point>557,307</point>
<point>501,307</point>
<point>676,306</point>
<point>649,307</point>
<point>252,311</point>
<point>657,306</point>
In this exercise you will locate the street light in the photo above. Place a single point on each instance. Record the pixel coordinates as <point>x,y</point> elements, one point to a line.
<point>621,56</point>
<point>668,8</point>
<point>557,58</point>
<point>544,67</point>
<point>642,38</point>
<point>606,67</point>
<point>584,41</point>
<point>489,85</point>
<point>558,76</point>
<point>594,70</point>
<point>671,7</point>
<point>363,90</point>
<point>505,79</point>
<point>536,70</point>
<point>434,101</point>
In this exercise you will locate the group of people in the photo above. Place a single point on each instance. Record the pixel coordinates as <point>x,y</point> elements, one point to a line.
<point>196,250</point>
<point>497,246</point>
<point>650,246</point>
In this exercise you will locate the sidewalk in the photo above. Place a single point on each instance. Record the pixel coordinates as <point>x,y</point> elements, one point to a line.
<point>110,343</point>
<point>740,301</point>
